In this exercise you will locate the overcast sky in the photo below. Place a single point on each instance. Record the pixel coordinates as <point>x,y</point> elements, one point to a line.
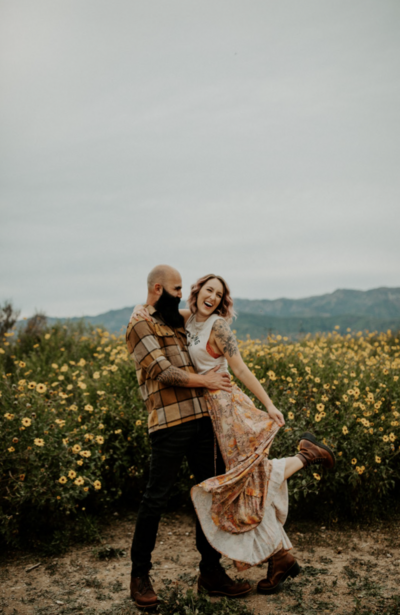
<point>258,140</point>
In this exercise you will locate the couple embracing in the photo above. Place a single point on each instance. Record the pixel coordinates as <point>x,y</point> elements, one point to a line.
<point>195,411</point>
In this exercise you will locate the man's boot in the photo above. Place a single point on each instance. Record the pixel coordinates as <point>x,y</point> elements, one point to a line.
<point>314,452</point>
<point>142,592</point>
<point>216,582</point>
<point>280,566</point>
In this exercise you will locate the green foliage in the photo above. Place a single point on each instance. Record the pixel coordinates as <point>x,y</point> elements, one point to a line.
<point>8,318</point>
<point>74,428</point>
<point>174,601</point>
<point>345,389</point>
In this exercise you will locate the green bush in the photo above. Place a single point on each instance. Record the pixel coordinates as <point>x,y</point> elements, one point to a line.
<point>74,428</point>
<point>345,389</point>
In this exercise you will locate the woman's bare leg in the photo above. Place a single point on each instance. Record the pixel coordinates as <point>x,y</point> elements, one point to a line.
<point>293,464</point>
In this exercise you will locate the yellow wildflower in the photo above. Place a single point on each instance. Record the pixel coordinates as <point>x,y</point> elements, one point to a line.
<point>97,484</point>
<point>316,476</point>
<point>100,439</point>
<point>38,442</point>
<point>354,461</point>
<point>377,459</point>
<point>138,422</point>
<point>62,480</point>
<point>345,430</point>
<point>79,481</point>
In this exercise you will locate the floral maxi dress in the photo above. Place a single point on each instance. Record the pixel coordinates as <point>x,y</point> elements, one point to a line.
<point>242,512</point>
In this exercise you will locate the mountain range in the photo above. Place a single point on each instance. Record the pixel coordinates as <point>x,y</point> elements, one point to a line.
<point>372,310</point>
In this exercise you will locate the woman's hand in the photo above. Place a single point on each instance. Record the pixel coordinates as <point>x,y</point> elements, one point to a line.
<point>276,415</point>
<point>140,312</point>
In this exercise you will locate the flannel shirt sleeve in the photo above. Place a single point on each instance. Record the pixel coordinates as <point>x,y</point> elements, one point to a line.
<point>143,345</point>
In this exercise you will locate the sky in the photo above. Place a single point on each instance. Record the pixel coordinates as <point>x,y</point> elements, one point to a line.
<point>256,140</point>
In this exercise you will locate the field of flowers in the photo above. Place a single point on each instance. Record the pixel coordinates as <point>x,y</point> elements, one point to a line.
<point>73,426</point>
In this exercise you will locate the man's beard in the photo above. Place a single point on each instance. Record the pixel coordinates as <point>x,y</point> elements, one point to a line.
<point>167,305</point>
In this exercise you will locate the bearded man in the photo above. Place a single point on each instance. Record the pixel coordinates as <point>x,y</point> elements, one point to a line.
<point>179,426</point>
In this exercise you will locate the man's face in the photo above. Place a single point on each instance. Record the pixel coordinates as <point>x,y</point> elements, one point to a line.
<point>168,303</point>
<point>173,285</point>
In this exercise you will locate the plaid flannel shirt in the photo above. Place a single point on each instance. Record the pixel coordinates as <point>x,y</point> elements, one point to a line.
<point>155,347</point>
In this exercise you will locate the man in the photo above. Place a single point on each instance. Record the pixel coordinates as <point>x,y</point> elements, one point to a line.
<point>179,426</point>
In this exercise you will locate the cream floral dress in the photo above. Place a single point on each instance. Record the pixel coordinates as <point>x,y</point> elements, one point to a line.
<point>242,512</point>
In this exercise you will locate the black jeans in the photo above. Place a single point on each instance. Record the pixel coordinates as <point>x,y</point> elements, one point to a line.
<point>195,440</point>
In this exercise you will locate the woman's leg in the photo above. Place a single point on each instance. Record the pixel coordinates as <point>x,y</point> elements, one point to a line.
<point>293,465</point>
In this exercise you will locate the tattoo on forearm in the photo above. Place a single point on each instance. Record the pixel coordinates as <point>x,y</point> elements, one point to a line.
<point>173,376</point>
<point>226,338</point>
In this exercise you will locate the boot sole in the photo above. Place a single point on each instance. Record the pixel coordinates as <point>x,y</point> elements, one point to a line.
<point>212,592</point>
<point>292,572</point>
<point>311,438</point>
<point>148,607</point>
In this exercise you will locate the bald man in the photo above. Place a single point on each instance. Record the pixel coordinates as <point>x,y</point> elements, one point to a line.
<point>179,426</point>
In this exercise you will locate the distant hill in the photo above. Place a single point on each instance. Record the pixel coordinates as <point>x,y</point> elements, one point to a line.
<point>258,327</point>
<point>378,303</point>
<point>373,310</point>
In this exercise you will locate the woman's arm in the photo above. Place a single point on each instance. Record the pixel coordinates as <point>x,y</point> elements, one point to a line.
<point>141,312</point>
<point>226,342</point>
<point>185,313</point>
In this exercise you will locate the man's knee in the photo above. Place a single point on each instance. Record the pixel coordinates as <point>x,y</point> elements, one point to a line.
<point>153,505</point>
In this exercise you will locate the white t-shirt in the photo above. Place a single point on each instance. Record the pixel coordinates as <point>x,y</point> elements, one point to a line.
<point>201,354</point>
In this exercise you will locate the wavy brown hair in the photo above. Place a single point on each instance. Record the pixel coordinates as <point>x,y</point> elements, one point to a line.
<point>225,308</point>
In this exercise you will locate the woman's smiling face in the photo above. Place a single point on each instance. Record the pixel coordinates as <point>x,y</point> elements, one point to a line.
<point>209,298</point>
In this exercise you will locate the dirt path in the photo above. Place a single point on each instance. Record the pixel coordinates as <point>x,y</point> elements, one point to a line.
<point>339,569</point>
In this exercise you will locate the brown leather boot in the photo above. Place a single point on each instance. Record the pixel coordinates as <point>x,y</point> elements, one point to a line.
<point>280,566</point>
<point>217,582</point>
<point>142,592</point>
<point>314,452</point>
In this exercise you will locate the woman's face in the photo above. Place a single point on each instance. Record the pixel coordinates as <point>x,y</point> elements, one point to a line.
<point>209,298</point>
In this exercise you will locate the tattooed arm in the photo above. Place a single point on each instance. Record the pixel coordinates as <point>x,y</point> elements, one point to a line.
<point>173,376</point>
<point>225,341</point>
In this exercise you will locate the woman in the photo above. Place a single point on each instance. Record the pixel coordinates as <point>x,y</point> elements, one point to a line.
<point>242,512</point>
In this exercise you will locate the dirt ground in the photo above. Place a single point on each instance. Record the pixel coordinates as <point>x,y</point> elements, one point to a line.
<point>341,568</point>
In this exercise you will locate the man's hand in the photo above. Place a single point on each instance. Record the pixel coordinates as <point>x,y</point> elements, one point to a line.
<point>276,415</point>
<point>217,380</point>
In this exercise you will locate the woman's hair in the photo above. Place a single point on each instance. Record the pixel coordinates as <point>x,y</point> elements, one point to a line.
<point>225,308</point>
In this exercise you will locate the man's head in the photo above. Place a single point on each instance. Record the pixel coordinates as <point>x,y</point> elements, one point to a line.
<point>164,285</point>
